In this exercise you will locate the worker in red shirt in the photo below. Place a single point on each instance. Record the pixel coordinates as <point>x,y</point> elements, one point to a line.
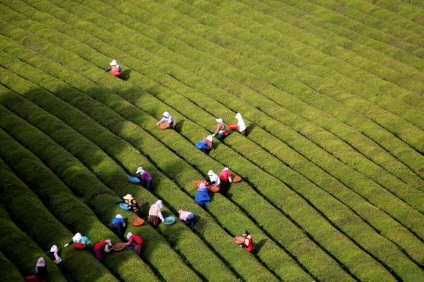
<point>248,242</point>
<point>225,177</point>
<point>101,248</point>
<point>134,242</point>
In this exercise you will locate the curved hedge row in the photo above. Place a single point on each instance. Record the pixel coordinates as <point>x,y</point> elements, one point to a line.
<point>331,167</point>
<point>39,223</point>
<point>128,158</point>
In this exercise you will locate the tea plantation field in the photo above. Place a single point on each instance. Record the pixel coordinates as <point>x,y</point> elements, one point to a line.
<point>332,165</point>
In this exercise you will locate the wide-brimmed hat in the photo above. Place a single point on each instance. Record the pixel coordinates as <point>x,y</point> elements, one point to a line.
<point>113,63</point>
<point>128,197</point>
<point>129,234</point>
<point>210,138</point>
<point>165,115</point>
<point>139,170</point>
<point>219,120</point>
<point>118,216</point>
<point>210,172</point>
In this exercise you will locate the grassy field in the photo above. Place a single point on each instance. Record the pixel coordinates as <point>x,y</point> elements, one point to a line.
<point>332,93</point>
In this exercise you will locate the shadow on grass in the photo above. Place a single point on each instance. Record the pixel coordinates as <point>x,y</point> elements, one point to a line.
<point>258,246</point>
<point>179,126</point>
<point>125,75</point>
<point>249,129</point>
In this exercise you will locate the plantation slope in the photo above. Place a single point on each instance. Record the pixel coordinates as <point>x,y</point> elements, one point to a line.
<point>237,29</point>
<point>46,230</point>
<point>188,78</point>
<point>82,218</point>
<point>369,170</point>
<point>160,249</point>
<point>386,162</point>
<point>49,101</point>
<point>107,171</point>
<point>393,10</point>
<point>102,141</point>
<point>234,49</point>
<point>397,33</point>
<point>8,270</point>
<point>24,256</point>
<point>332,163</point>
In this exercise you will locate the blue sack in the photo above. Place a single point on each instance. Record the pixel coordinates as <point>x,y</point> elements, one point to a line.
<point>201,145</point>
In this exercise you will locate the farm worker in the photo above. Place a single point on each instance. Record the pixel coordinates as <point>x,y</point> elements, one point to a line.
<point>114,69</point>
<point>225,177</point>
<point>187,217</point>
<point>155,214</point>
<point>78,238</point>
<point>40,274</point>
<point>134,242</point>
<point>220,131</point>
<point>136,208</point>
<point>248,243</point>
<point>241,126</point>
<point>54,255</point>
<point>101,248</point>
<point>202,196</point>
<point>214,179</point>
<point>145,177</point>
<point>129,200</point>
<point>118,225</point>
<point>168,119</point>
<point>205,144</point>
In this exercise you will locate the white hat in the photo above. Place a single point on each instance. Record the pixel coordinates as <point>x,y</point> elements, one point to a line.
<point>210,138</point>
<point>219,120</point>
<point>165,115</point>
<point>129,234</point>
<point>140,169</point>
<point>118,216</point>
<point>238,115</point>
<point>210,172</point>
<point>77,237</point>
<point>128,197</point>
<point>54,249</point>
<point>159,203</point>
<point>41,262</point>
<point>114,63</point>
<point>226,168</point>
<point>109,242</point>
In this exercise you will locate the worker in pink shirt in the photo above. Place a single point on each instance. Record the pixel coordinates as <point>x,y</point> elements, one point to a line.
<point>145,177</point>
